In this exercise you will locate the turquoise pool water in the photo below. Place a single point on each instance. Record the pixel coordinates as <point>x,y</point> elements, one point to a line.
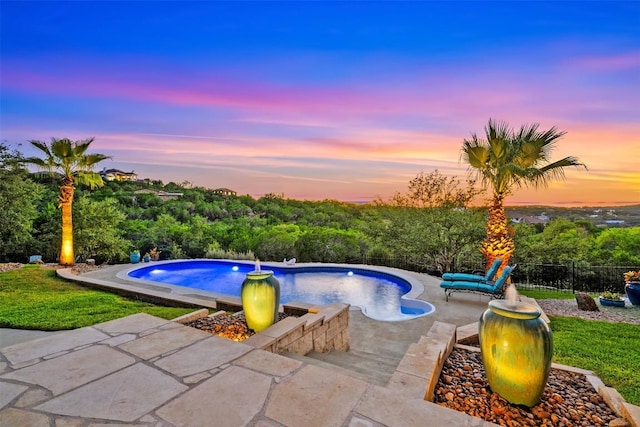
<point>380,295</point>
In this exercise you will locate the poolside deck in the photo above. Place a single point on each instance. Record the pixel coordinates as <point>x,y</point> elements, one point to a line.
<point>142,370</point>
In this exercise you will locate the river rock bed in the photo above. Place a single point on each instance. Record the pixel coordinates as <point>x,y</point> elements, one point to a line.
<point>569,400</point>
<point>231,326</point>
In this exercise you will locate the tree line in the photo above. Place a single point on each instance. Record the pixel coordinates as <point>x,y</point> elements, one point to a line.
<point>432,224</point>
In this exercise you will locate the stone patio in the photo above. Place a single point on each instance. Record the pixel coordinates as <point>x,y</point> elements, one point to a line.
<point>142,370</point>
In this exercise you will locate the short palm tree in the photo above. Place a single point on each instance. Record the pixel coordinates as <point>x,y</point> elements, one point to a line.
<point>505,159</point>
<point>68,160</point>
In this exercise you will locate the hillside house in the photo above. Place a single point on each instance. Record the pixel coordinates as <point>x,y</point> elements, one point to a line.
<point>224,192</point>
<point>163,195</point>
<point>118,175</point>
<point>539,219</point>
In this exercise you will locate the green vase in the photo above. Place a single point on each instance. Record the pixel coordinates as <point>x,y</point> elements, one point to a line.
<point>260,299</point>
<point>517,346</point>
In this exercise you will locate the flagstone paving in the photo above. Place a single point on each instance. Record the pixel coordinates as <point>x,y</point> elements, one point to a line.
<point>141,370</point>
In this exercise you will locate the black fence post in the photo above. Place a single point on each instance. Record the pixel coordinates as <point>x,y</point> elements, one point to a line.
<point>573,277</point>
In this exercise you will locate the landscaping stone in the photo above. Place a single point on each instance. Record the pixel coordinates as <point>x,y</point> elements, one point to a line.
<point>294,402</point>
<point>52,344</point>
<point>268,363</point>
<point>72,370</point>
<point>19,417</point>
<point>568,400</point>
<point>230,399</point>
<point>163,342</point>
<point>123,396</point>
<point>211,353</point>
<point>585,302</point>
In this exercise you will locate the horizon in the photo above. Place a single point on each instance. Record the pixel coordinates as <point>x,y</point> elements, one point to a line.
<point>345,101</point>
<point>362,202</point>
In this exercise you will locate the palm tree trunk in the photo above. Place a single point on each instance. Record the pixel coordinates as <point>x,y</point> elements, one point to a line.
<point>66,200</point>
<point>499,241</point>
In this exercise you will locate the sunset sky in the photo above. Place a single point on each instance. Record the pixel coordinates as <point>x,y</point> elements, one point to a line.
<point>326,100</point>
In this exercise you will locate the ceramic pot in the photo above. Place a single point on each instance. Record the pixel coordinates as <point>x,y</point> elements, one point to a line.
<point>134,257</point>
<point>517,346</point>
<point>611,302</point>
<point>260,295</point>
<point>633,292</point>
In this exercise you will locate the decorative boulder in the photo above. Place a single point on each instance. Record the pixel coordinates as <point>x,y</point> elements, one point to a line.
<point>585,302</point>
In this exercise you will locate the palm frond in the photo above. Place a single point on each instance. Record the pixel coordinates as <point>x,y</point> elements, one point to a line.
<point>36,161</point>
<point>68,159</point>
<point>515,158</point>
<point>80,147</point>
<point>90,179</point>
<point>62,148</point>
<point>89,160</point>
<point>540,177</point>
<point>42,147</point>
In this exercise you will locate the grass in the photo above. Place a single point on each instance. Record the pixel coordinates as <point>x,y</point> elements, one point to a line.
<point>542,294</point>
<point>35,298</point>
<point>611,350</point>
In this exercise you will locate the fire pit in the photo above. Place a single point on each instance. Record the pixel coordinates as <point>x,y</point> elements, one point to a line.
<point>232,326</point>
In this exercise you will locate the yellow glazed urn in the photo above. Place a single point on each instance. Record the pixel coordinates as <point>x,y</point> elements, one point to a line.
<point>260,295</point>
<point>517,346</point>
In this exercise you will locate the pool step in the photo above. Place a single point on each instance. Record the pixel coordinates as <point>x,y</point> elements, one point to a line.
<point>369,367</point>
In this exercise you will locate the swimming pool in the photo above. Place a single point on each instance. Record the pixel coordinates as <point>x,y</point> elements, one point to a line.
<point>379,294</point>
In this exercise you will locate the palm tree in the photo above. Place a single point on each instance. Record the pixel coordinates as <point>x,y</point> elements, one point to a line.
<point>505,159</point>
<point>67,159</point>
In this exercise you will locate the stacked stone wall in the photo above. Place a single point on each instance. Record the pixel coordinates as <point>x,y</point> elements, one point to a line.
<point>319,328</point>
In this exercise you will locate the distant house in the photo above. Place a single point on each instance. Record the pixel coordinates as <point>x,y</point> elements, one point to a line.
<point>163,195</point>
<point>118,175</point>
<point>224,192</point>
<point>539,219</point>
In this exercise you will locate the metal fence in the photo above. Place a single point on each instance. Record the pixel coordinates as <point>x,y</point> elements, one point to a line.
<point>570,277</point>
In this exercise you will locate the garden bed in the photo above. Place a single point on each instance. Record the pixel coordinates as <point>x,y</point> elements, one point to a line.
<point>232,326</point>
<point>301,328</point>
<point>568,400</point>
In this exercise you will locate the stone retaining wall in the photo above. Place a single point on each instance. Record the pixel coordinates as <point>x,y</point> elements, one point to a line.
<point>420,368</point>
<point>318,328</point>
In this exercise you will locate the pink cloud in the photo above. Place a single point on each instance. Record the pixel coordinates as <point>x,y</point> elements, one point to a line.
<point>627,61</point>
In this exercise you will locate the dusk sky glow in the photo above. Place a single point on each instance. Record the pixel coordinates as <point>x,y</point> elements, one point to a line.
<point>326,100</point>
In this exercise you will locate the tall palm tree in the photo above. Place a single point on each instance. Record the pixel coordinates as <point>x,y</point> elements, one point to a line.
<point>505,159</point>
<point>68,160</point>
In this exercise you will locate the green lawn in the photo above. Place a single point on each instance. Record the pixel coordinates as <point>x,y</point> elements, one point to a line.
<point>542,294</point>
<point>35,298</point>
<point>611,350</point>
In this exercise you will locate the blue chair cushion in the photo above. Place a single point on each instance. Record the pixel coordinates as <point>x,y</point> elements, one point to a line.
<point>453,277</point>
<point>484,286</point>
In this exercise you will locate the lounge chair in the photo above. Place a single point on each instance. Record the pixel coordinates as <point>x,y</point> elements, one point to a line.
<point>454,277</point>
<point>486,287</point>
